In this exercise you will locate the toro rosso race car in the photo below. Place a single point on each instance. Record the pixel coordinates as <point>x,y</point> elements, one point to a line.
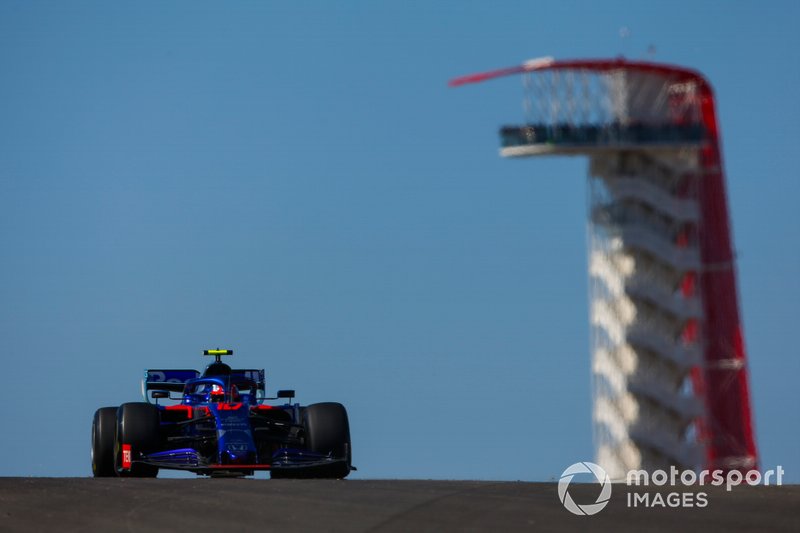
<point>220,426</point>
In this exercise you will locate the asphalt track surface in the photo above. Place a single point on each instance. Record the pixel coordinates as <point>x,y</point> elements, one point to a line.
<point>223,505</point>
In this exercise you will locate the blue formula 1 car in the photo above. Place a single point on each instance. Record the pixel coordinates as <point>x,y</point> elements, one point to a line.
<point>220,426</point>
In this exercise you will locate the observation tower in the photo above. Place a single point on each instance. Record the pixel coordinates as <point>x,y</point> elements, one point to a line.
<point>668,363</point>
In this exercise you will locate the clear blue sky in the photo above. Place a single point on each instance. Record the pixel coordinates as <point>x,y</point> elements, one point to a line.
<point>295,181</point>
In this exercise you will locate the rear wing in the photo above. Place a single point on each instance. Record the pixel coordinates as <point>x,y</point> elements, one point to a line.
<point>167,380</point>
<point>175,380</point>
<point>254,374</point>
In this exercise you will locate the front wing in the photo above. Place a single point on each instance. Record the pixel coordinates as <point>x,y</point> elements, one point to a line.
<point>291,461</point>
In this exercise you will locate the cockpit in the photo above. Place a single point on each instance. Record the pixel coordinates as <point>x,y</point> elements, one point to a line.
<point>221,389</point>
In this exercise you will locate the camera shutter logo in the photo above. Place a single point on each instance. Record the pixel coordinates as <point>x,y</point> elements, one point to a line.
<point>584,468</point>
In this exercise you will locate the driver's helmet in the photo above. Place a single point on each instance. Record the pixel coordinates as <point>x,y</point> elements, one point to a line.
<point>235,394</point>
<point>216,394</point>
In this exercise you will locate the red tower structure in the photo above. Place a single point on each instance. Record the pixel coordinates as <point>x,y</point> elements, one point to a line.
<point>671,383</point>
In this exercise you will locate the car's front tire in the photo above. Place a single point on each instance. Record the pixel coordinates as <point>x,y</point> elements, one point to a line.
<point>104,429</point>
<point>137,426</point>
<point>327,430</point>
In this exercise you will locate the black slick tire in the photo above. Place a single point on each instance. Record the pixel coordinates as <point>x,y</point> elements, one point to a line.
<point>104,429</point>
<point>137,426</point>
<point>327,431</point>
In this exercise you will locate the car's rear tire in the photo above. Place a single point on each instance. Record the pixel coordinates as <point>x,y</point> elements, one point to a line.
<point>327,430</point>
<point>138,426</point>
<point>104,429</point>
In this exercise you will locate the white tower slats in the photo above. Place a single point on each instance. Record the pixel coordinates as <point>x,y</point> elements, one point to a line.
<point>639,190</point>
<point>638,313</point>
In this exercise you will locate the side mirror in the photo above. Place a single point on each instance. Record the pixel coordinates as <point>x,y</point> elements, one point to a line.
<point>286,394</point>
<point>160,394</point>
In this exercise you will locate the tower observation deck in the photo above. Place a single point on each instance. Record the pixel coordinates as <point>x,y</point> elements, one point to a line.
<point>668,362</point>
